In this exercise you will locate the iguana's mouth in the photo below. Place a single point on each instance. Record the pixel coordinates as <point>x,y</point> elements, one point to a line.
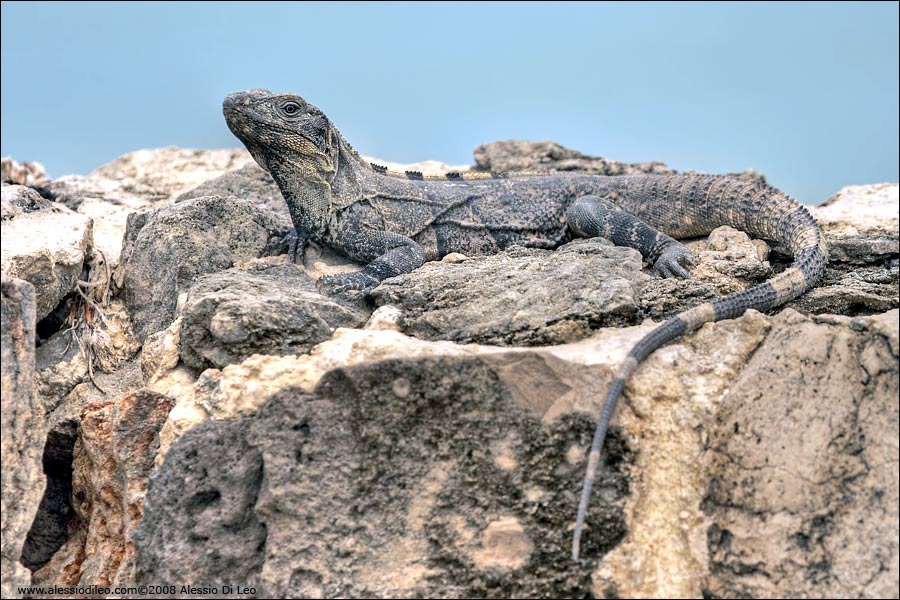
<point>232,107</point>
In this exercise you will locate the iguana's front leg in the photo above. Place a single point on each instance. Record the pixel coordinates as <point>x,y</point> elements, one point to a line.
<point>593,216</point>
<point>388,255</point>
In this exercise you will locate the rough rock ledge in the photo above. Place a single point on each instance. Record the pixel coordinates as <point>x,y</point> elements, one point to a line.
<point>194,412</point>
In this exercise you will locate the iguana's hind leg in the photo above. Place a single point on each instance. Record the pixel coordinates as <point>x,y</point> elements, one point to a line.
<point>593,216</point>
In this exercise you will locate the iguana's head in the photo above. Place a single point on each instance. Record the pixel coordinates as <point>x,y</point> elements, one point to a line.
<point>297,144</point>
<point>283,128</point>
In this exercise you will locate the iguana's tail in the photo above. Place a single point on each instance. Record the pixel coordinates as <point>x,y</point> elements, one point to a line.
<point>789,223</point>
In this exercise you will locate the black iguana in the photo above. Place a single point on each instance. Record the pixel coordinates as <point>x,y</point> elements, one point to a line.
<point>393,222</point>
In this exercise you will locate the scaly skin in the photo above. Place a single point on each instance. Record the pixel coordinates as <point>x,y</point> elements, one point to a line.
<point>393,222</point>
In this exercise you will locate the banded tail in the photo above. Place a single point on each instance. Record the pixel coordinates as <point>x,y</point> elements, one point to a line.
<point>776,217</point>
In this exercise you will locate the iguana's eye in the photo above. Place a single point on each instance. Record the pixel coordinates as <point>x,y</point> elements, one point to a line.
<point>290,108</point>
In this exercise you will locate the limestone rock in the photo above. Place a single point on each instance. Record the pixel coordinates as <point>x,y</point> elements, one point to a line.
<point>406,504</point>
<point>505,299</point>
<point>22,430</point>
<point>26,173</point>
<point>110,462</point>
<point>139,181</point>
<point>803,488</point>
<point>520,155</point>
<point>250,183</point>
<point>47,248</point>
<point>167,249</point>
<point>275,310</point>
<point>18,200</point>
<point>172,170</point>
<point>861,222</point>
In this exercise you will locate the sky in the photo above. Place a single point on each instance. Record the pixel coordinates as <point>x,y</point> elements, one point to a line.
<point>806,93</point>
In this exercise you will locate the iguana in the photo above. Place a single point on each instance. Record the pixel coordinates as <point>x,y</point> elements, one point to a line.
<point>393,222</point>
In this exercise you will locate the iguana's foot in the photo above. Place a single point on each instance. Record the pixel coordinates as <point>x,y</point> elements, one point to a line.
<point>674,262</point>
<point>293,242</point>
<point>358,283</point>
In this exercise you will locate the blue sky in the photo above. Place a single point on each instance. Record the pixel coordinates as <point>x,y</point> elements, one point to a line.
<point>806,93</point>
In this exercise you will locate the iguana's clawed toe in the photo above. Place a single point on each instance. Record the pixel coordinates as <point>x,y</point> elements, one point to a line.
<point>672,263</point>
<point>292,243</point>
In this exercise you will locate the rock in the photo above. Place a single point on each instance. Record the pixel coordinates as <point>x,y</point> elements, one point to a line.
<point>109,465</point>
<point>172,170</point>
<point>251,183</point>
<point>377,464</point>
<point>50,528</point>
<point>161,352</point>
<point>861,223</point>
<point>27,173</point>
<point>138,181</point>
<point>858,291</point>
<point>61,365</point>
<point>272,310</point>
<point>407,504</point>
<point>803,488</point>
<point>670,400</point>
<point>47,248</point>
<point>167,249</point>
<point>22,430</point>
<point>519,155</point>
<point>671,409</point>
<point>18,200</point>
<point>861,229</point>
<point>505,299</point>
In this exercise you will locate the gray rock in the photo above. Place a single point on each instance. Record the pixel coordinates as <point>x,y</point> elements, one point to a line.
<point>139,181</point>
<point>397,478</point>
<point>26,173</point>
<point>276,310</point>
<point>862,249</point>
<point>803,494</point>
<point>215,511</point>
<point>520,155</point>
<point>105,473</point>
<point>249,182</point>
<point>523,296</point>
<point>50,528</point>
<point>22,430</point>
<point>18,199</point>
<point>44,245</point>
<point>860,290</point>
<point>167,249</point>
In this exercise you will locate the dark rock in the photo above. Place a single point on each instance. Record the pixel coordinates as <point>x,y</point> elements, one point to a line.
<point>50,528</point>
<point>860,290</point>
<point>22,429</point>
<point>523,296</point>
<point>520,155</point>
<point>204,527</point>
<point>396,478</point>
<point>276,310</point>
<point>18,199</point>
<point>862,249</point>
<point>250,182</point>
<point>165,250</point>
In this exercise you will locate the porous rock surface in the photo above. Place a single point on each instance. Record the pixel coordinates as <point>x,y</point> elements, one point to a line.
<point>271,438</point>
